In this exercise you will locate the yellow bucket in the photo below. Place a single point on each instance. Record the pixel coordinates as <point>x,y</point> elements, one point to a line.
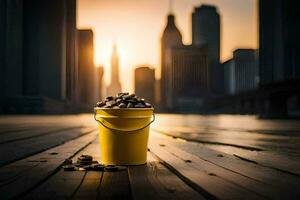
<point>123,134</point>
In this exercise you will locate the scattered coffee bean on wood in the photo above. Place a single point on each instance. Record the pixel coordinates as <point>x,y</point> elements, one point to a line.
<point>69,167</point>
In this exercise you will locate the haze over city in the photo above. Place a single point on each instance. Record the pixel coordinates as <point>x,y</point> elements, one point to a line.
<point>138,38</point>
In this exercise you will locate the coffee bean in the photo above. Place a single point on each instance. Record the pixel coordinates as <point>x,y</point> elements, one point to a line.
<point>148,105</point>
<point>139,105</point>
<point>134,101</point>
<point>129,105</point>
<point>111,168</point>
<point>98,167</point>
<point>122,105</point>
<point>69,167</point>
<point>119,101</point>
<point>68,162</point>
<point>110,98</point>
<point>85,157</point>
<point>141,100</point>
<point>101,103</point>
<point>111,103</point>
<point>122,94</point>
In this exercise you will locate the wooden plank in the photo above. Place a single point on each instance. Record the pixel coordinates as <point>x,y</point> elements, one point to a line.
<point>27,134</point>
<point>45,164</point>
<point>280,184</point>
<point>155,181</point>
<point>288,164</point>
<point>285,143</point>
<point>11,152</point>
<point>207,177</point>
<point>49,120</point>
<point>70,184</point>
<point>15,128</point>
<point>280,152</point>
<point>115,185</point>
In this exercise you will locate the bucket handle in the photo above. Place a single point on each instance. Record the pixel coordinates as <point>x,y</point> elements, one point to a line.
<point>153,119</point>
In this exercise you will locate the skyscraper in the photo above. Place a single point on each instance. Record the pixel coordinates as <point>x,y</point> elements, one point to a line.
<point>241,72</point>
<point>171,38</point>
<point>71,53</point>
<point>144,83</point>
<point>188,78</point>
<point>206,33</point>
<point>36,57</point>
<point>11,47</point>
<point>279,30</point>
<point>86,69</point>
<point>115,85</point>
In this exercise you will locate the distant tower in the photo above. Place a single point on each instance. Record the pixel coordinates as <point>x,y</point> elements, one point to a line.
<point>115,85</point>
<point>171,38</point>
<point>206,29</point>
<point>206,33</point>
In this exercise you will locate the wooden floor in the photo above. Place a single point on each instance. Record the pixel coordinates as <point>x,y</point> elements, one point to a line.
<point>189,157</point>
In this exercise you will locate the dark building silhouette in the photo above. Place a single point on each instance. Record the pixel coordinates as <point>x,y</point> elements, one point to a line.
<point>36,57</point>
<point>279,30</point>
<point>171,38</point>
<point>115,85</point>
<point>241,72</point>
<point>99,83</point>
<point>144,83</point>
<point>279,63</point>
<point>184,71</point>
<point>11,47</point>
<point>188,82</point>
<point>86,69</point>
<point>71,54</point>
<point>206,33</point>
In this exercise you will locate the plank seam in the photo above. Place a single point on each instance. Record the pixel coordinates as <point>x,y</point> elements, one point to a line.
<point>187,181</point>
<point>267,166</point>
<point>208,142</point>
<point>39,135</point>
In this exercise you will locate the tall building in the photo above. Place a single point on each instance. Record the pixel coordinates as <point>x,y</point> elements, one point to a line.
<point>86,69</point>
<point>11,47</point>
<point>206,33</point>
<point>115,85</point>
<point>2,45</point>
<point>241,72</point>
<point>71,53</point>
<point>188,84</point>
<point>99,83</point>
<point>144,83</point>
<point>171,38</point>
<point>279,30</point>
<point>35,54</point>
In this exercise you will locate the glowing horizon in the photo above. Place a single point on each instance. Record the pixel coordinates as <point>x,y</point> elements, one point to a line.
<point>136,27</point>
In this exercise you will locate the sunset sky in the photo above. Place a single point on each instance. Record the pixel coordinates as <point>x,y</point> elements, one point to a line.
<point>136,26</point>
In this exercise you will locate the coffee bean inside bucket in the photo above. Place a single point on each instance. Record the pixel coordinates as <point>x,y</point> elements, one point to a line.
<point>124,100</point>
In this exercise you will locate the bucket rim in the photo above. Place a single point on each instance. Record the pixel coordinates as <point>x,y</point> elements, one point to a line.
<point>141,109</point>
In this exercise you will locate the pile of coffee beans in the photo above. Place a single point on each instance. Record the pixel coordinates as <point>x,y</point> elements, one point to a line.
<point>124,100</point>
<point>86,162</point>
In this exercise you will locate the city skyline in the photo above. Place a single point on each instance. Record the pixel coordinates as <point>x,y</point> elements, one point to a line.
<point>238,30</point>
